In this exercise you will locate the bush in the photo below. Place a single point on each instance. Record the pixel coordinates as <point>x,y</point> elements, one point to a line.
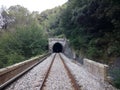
<point>21,44</point>
<point>14,58</point>
<point>93,52</point>
<point>116,76</point>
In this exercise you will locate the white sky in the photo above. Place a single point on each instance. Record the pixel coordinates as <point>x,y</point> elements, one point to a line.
<point>33,5</point>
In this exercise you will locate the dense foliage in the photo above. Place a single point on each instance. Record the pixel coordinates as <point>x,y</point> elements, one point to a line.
<point>50,21</point>
<point>93,27</point>
<point>21,39</point>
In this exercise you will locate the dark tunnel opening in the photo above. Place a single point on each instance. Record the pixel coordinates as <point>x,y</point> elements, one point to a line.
<point>57,48</point>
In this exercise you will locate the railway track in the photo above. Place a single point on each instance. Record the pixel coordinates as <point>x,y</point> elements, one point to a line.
<point>51,74</point>
<point>54,81</point>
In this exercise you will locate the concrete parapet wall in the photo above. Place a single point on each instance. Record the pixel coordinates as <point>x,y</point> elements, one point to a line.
<point>11,71</point>
<point>97,69</point>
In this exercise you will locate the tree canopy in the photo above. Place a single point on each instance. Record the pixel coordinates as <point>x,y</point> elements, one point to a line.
<point>22,38</point>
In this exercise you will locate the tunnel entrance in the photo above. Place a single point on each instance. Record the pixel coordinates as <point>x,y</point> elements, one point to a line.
<point>57,48</point>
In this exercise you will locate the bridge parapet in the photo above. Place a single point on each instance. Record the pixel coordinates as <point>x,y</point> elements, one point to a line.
<point>11,71</point>
<point>100,71</point>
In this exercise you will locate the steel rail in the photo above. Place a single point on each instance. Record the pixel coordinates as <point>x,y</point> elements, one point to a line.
<point>73,81</point>
<point>9,82</point>
<point>47,74</point>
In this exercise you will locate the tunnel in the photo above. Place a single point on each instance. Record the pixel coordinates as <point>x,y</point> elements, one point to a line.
<point>57,48</point>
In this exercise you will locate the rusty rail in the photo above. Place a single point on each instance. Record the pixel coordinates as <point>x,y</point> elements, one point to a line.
<point>73,81</point>
<point>47,73</point>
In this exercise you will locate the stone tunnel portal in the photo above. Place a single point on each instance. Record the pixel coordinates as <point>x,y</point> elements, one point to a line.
<point>57,48</point>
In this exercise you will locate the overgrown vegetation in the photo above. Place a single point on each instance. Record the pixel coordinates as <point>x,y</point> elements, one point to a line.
<point>91,25</point>
<point>116,79</point>
<point>22,38</point>
<point>94,25</point>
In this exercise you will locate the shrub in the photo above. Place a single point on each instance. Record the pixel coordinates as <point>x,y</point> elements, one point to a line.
<point>21,44</point>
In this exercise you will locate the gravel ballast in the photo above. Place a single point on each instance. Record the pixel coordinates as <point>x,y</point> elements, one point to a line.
<point>33,79</point>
